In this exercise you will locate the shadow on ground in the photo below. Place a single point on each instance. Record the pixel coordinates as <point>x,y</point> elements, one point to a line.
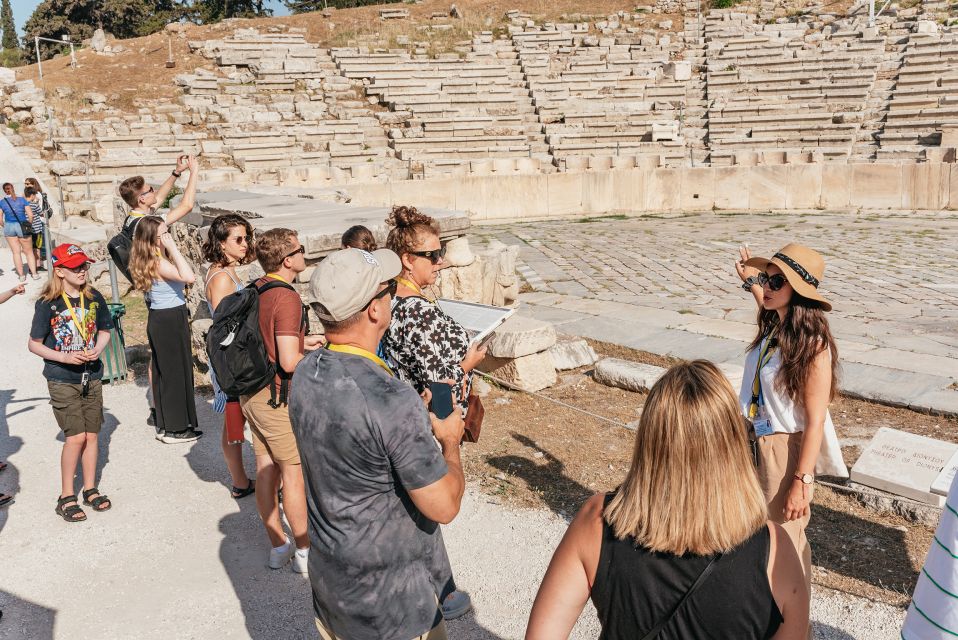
<point>269,599</point>
<point>863,542</point>
<point>22,619</point>
<point>822,631</point>
<point>25,620</point>
<point>468,628</point>
<point>562,494</point>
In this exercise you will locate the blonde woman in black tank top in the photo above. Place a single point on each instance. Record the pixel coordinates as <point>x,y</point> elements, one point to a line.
<point>690,506</point>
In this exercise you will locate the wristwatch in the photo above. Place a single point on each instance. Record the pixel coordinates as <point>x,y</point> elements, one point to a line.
<point>750,282</point>
<point>806,478</point>
<point>175,174</point>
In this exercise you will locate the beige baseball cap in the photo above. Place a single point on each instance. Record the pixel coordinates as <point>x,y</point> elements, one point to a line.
<point>347,280</point>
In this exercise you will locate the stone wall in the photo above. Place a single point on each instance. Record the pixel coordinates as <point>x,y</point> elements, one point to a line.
<point>831,186</point>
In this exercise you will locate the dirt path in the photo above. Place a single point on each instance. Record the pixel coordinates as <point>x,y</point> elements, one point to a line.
<point>178,558</point>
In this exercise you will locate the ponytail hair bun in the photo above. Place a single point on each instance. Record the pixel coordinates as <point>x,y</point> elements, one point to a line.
<point>409,225</point>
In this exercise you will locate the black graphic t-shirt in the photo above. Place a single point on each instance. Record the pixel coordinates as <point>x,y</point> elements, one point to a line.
<point>53,324</point>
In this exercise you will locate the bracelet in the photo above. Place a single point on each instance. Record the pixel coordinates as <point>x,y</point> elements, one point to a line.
<point>175,174</point>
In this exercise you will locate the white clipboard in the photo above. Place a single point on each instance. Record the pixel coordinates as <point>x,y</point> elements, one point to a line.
<point>480,320</point>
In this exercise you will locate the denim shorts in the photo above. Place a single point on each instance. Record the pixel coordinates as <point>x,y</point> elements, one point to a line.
<point>12,230</point>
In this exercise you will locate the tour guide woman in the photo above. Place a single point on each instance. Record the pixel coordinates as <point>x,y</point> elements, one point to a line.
<point>790,378</point>
<point>423,344</point>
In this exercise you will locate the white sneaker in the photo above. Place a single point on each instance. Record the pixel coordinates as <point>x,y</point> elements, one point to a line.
<point>279,556</point>
<point>301,561</point>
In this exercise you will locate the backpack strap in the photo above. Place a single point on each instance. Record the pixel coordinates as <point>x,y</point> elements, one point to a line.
<point>13,211</point>
<point>695,585</point>
<point>276,400</point>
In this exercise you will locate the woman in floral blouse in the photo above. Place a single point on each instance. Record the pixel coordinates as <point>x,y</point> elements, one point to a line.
<point>423,344</point>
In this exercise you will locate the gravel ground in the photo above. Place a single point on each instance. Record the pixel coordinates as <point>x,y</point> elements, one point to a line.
<point>176,557</point>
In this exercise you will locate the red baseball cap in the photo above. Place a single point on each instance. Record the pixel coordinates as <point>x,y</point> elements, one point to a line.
<point>69,256</point>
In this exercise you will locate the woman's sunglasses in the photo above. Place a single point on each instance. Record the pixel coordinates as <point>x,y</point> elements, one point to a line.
<point>243,239</point>
<point>433,256</point>
<point>774,283</point>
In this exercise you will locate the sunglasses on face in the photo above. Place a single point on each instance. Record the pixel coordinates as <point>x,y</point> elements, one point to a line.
<point>390,290</point>
<point>301,249</point>
<point>80,269</point>
<point>147,192</point>
<point>774,283</point>
<point>243,239</point>
<point>434,256</point>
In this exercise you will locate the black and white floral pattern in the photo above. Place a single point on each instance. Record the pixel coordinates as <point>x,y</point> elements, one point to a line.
<point>425,345</point>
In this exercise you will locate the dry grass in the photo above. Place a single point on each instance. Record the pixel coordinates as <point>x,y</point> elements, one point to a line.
<point>143,64</point>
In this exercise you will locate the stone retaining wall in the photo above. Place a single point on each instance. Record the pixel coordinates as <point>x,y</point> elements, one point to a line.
<point>831,186</point>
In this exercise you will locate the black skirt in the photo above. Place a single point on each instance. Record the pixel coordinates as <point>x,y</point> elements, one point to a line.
<point>168,331</point>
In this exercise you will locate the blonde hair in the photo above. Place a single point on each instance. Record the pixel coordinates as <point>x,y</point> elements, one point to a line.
<point>692,487</point>
<point>144,256</point>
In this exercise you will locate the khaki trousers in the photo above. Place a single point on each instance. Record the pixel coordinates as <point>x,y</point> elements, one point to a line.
<point>436,633</point>
<point>777,461</point>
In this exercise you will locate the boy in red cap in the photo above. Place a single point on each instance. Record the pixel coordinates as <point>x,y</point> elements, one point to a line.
<point>71,328</point>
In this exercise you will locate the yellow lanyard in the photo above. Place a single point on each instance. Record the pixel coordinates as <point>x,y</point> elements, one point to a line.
<point>276,277</point>
<point>764,356</point>
<point>357,351</point>
<point>76,321</point>
<point>411,285</point>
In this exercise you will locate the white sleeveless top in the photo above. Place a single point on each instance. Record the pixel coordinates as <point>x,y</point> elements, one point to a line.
<point>785,415</point>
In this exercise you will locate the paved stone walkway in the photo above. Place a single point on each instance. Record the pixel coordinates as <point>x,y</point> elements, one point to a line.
<point>667,285</point>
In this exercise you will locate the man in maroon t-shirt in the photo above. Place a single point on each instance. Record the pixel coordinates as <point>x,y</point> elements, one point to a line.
<point>282,322</point>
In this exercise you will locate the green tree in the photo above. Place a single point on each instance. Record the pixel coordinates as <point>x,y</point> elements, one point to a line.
<point>78,19</point>
<point>9,40</point>
<point>209,11</point>
<point>304,6</point>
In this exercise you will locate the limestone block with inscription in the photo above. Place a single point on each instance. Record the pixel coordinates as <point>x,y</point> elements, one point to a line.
<point>904,464</point>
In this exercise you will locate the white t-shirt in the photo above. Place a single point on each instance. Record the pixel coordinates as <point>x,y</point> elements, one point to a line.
<point>787,416</point>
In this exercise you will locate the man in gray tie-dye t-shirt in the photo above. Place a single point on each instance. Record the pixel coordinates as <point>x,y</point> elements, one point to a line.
<point>377,485</point>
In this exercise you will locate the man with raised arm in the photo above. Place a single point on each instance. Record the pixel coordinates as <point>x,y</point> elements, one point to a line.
<point>378,485</point>
<point>143,199</point>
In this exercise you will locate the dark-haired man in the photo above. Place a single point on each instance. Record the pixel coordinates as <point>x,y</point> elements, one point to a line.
<point>143,199</point>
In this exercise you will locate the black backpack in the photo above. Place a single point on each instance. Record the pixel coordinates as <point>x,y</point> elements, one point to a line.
<point>236,350</point>
<point>120,245</point>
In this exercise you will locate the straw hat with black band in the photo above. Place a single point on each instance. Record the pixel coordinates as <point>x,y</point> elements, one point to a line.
<point>802,267</point>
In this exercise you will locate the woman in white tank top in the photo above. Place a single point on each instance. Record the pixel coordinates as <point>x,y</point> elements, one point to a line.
<point>229,243</point>
<point>790,379</point>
